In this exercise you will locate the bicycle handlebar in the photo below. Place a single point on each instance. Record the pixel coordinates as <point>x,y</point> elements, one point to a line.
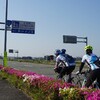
<point>83,72</point>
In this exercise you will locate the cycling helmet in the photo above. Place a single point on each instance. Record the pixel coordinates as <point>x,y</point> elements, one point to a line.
<point>63,51</point>
<point>57,52</point>
<point>88,47</point>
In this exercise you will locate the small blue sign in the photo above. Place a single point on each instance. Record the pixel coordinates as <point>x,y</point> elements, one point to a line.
<point>22,31</point>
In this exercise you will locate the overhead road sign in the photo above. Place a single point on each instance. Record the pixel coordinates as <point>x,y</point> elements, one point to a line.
<point>69,39</point>
<point>23,27</point>
<point>74,39</point>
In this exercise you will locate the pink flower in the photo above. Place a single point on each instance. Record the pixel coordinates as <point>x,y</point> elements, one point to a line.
<point>95,95</point>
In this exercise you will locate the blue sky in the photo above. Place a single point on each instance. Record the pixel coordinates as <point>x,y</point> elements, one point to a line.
<point>53,18</point>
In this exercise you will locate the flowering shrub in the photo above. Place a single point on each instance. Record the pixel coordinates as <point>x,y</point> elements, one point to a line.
<point>41,87</point>
<point>71,94</point>
<point>95,95</point>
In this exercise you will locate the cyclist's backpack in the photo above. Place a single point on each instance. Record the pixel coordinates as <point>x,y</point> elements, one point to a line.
<point>69,58</point>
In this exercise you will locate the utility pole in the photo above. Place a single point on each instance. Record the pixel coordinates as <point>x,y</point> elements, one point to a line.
<point>5,38</point>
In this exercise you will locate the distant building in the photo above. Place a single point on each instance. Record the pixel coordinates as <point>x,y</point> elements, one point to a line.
<point>49,57</point>
<point>27,58</point>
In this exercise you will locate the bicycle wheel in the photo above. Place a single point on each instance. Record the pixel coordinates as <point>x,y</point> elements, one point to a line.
<point>96,84</point>
<point>77,81</point>
<point>62,79</point>
<point>65,78</point>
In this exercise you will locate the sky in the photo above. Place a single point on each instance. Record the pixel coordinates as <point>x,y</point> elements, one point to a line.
<point>53,19</point>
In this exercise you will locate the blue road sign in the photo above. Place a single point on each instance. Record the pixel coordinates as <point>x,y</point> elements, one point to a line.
<point>23,27</point>
<point>22,31</point>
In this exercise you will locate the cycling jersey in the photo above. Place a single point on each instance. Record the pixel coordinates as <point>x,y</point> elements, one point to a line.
<point>65,58</point>
<point>90,59</point>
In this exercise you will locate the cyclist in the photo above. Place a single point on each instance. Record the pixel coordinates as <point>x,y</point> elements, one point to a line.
<point>93,62</point>
<point>68,67</point>
<point>56,68</point>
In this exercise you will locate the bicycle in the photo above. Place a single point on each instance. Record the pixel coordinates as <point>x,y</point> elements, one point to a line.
<point>76,79</point>
<point>82,80</point>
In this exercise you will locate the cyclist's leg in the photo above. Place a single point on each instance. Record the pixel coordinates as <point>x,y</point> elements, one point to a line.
<point>70,69</point>
<point>91,78</point>
<point>69,78</point>
<point>63,72</point>
<point>69,73</point>
<point>58,69</point>
<point>98,77</point>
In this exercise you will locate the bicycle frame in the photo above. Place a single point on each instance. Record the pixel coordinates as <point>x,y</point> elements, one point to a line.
<point>66,78</point>
<point>94,84</point>
<point>77,80</point>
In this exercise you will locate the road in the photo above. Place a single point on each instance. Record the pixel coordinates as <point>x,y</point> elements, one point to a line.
<point>37,68</point>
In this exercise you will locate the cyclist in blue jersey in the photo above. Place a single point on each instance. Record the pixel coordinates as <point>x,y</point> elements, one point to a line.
<point>93,62</point>
<point>69,64</point>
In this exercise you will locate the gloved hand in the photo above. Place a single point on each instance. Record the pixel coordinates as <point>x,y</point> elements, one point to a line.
<point>77,72</point>
<point>55,69</point>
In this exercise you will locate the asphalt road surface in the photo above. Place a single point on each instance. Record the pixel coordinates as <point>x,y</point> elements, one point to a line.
<point>37,68</point>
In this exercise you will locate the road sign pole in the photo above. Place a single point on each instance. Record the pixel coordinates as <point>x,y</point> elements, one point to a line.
<point>86,41</point>
<point>5,39</point>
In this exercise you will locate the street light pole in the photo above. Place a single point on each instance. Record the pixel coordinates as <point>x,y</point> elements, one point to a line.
<point>5,39</point>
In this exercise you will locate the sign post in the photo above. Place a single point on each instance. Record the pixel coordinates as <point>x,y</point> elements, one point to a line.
<point>5,39</point>
<point>15,27</point>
